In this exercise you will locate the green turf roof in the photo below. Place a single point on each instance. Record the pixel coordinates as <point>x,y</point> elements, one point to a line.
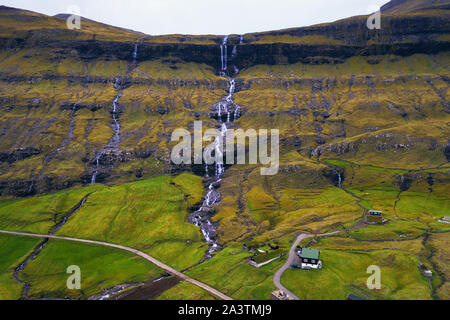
<point>310,253</point>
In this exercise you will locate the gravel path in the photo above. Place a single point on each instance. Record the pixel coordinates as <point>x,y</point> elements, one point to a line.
<point>290,260</point>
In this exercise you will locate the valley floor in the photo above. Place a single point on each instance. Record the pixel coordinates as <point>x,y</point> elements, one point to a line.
<point>151,216</point>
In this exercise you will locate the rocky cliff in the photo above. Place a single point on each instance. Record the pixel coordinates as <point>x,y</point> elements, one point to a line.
<point>103,101</point>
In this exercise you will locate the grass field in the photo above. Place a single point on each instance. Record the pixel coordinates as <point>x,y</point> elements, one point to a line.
<point>229,273</point>
<point>345,272</point>
<point>186,291</point>
<point>40,214</point>
<point>440,258</point>
<point>100,267</point>
<point>149,215</point>
<point>13,251</point>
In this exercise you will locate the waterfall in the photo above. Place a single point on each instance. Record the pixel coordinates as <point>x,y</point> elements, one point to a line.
<point>201,217</point>
<point>236,112</point>
<point>71,126</point>
<point>135,51</point>
<point>339,178</point>
<point>241,39</point>
<point>221,57</point>
<point>224,55</point>
<point>116,120</point>
<point>115,140</point>
<point>94,174</point>
<point>30,187</point>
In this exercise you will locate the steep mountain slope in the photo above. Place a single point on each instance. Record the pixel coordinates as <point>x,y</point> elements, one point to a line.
<point>403,6</point>
<point>71,76</point>
<point>24,25</point>
<point>364,120</point>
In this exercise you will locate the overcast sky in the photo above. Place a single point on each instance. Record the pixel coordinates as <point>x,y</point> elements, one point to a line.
<point>205,16</point>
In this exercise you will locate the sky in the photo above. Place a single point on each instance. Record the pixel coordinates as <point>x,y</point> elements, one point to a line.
<point>157,17</point>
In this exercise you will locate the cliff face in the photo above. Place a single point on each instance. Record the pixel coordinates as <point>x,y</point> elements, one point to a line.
<point>334,90</point>
<point>402,34</point>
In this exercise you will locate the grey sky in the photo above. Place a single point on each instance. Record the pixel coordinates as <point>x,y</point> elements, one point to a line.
<point>205,16</point>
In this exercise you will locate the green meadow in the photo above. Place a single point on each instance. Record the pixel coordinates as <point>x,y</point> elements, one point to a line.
<point>346,272</point>
<point>149,215</point>
<point>186,291</point>
<point>230,273</point>
<point>40,214</point>
<point>14,250</point>
<point>100,268</point>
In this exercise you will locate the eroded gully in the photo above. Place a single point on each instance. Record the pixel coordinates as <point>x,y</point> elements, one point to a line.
<point>40,246</point>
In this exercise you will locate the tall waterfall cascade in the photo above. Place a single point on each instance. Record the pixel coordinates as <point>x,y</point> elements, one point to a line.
<point>226,111</point>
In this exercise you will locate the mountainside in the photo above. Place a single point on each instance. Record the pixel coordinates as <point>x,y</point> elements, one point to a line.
<point>364,120</point>
<point>313,71</point>
<point>404,6</point>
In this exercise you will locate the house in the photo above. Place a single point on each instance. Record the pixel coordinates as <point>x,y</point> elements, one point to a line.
<point>279,295</point>
<point>309,258</point>
<point>425,271</point>
<point>374,217</point>
<point>445,220</point>
<point>264,258</point>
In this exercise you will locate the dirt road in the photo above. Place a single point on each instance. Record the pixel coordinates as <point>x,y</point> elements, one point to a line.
<point>290,260</point>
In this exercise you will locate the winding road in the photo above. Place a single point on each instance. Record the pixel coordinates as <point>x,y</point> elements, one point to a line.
<point>290,260</point>
<point>137,252</point>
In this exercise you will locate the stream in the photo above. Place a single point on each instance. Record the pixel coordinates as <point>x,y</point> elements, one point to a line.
<point>226,111</point>
<point>41,245</point>
<point>114,142</point>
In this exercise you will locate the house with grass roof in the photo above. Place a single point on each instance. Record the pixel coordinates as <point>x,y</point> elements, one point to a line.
<point>309,258</point>
<point>263,258</point>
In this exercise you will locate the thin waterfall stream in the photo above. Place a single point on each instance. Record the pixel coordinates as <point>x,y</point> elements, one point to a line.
<point>114,142</point>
